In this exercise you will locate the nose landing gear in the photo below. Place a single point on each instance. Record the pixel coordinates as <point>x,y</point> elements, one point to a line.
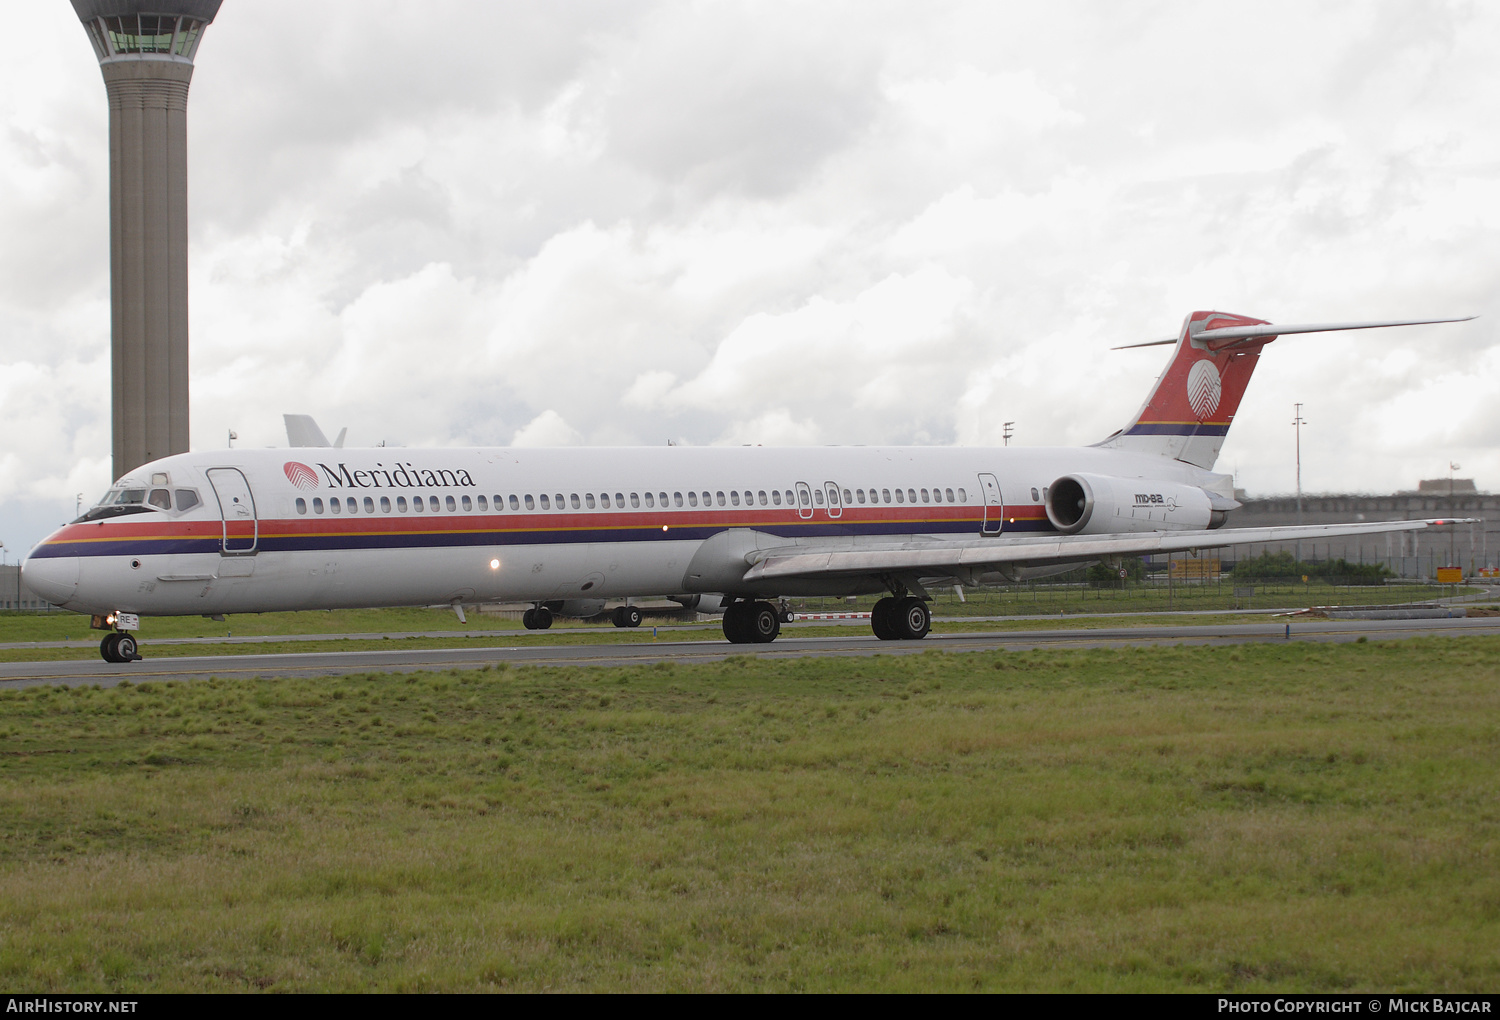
<point>118,645</point>
<point>119,648</point>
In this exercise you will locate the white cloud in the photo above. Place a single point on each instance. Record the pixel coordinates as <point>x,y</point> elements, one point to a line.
<point>547,429</point>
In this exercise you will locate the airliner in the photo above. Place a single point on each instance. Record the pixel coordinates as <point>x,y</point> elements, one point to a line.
<point>253,531</point>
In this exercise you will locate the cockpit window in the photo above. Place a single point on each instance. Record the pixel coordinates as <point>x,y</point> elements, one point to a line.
<point>187,499</point>
<point>160,498</point>
<point>117,503</point>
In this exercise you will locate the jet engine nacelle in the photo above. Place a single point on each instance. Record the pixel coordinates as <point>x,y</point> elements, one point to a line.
<point>1083,504</point>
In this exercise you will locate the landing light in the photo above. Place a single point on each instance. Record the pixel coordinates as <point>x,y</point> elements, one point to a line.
<point>664,527</point>
<point>494,564</point>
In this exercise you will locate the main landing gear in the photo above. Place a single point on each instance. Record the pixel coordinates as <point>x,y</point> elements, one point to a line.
<point>119,647</point>
<point>752,623</point>
<point>626,616</point>
<point>539,618</point>
<point>901,618</point>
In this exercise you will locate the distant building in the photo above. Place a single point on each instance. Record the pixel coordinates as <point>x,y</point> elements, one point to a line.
<point>1409,554</point>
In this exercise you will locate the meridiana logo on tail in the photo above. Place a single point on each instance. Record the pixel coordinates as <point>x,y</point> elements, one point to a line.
<point>300,475</point>
<point>1204,389</point>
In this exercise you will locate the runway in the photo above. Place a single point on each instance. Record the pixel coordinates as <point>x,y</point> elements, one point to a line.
<point>90,671</point>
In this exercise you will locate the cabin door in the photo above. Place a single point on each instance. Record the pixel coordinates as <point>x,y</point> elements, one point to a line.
<point>994,507</point>
<point>237,507</point>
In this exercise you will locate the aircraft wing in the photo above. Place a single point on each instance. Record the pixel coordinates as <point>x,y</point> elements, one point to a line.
<point>945,556</point>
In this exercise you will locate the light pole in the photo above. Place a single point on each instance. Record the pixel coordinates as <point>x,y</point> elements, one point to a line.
<point>1297,423</point>
<point>1010,428</point>
<point>1452,538</point>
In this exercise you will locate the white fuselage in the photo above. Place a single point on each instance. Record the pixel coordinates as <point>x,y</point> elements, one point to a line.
<point>533,525</point>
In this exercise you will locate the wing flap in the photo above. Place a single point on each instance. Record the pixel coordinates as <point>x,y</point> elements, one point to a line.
<point>950,556</point>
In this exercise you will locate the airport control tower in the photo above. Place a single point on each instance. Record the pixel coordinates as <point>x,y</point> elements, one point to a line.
<point>145,50</point>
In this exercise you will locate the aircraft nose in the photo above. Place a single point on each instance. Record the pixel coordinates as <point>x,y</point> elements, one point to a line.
<point>54,578</point>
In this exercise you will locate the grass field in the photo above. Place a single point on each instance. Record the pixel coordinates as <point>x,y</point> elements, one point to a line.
<point>1264,817</point>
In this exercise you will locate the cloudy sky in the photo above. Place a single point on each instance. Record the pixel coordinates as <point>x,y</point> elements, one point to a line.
<point>782,223</point>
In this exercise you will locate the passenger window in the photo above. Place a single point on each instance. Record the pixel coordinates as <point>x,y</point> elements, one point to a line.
<point>776,496</point>
<point>818,496</point>
<point>588,500</point>
<point>950,494</point>
<point>530,503</point>
<point>899,497</point>
<point>635,500</point>
<point>546,503</point>
<point>620,500</point>
<point>663,497</point>
<point>558,499</point>
<point>708,499</point>
<point>301,506</point>
<point>369,505</point>
<point>1036,497</point>
<point>417,505</point>
<point>859,494</point>
<point>721,499</point>
<point>160,498</point>
<point>186,499</point>
<point>483,504</point>
<point>692,499</point>
<point>334,506</point>
<point>848,497</point>
<point>385,504</point>
<point>650,500</point>
<point>734,498</point>
<point>937,494</point>
<point>1044,493</point>
<point>452,505</point>
<point>963,497</point>
<point>677,499</point>
<point>573,499</point>
<point>789,498</point>
<point>464,502</point>
<point>401,504</point>
<point>925,498</point>
<point>911,495</point>
<point>317,505</point>
<point>604,500</point>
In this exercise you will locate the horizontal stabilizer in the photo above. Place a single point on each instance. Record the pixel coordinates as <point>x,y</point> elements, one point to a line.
<point>947,557</point>
<point>1273,329</point>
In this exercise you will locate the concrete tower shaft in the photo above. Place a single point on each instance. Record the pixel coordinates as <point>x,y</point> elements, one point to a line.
<point>145,50</point>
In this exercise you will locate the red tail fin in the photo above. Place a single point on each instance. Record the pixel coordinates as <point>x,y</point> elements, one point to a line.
<point>1189,411</point>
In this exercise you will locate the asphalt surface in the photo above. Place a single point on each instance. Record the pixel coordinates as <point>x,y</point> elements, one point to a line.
<point>481,653</point>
